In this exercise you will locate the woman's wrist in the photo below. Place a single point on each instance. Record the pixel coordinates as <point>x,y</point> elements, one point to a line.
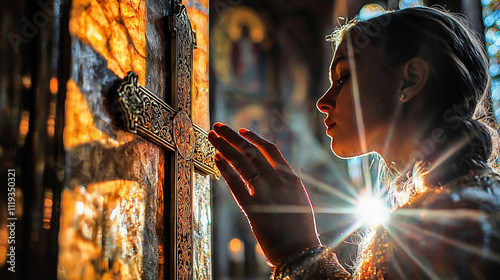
<point>283,250</point>
<point>299,256</point>
<point>283,235</point>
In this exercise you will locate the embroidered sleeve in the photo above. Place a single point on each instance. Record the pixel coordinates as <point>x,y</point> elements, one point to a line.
<point>320,263</point>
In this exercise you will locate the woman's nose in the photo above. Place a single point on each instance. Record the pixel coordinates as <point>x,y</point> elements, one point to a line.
<point>326,102</point>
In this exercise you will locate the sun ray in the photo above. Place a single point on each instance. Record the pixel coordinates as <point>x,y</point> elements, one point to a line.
<point>446,215</point>
<point>342,230</point>
<point>348,232</point>
<point>449,153</point>
<point>388,139</point>
<point>442,213</point>
<point>372,210</point>
<point>335,210</point>
<point>355,89</point>
<point>313,181</point>
<point>283,208</point>
<point>367,176</point>
<point>410,254</point>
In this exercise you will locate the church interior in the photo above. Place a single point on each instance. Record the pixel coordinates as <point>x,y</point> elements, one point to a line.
<point>105,106</point>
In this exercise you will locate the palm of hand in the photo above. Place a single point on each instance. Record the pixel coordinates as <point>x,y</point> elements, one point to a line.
<point>267,190</point>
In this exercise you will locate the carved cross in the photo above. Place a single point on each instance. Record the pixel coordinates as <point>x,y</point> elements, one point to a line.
<point>171,128</point>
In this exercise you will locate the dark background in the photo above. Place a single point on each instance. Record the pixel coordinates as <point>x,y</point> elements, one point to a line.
<point>290,68</point>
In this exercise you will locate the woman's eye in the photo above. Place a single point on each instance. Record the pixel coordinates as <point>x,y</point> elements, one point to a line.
<point>343,80</point>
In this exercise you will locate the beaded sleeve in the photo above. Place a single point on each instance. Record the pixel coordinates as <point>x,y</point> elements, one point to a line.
<point>318,263</point>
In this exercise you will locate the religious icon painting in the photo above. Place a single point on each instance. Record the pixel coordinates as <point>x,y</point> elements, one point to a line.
<point>242,54</point>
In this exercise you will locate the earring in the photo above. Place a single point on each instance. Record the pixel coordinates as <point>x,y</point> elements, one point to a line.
<point>402,96</point>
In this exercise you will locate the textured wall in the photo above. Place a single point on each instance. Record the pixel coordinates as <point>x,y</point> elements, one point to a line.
<point>93,200</point>
<point>198,14</point>
<point>114,179</point>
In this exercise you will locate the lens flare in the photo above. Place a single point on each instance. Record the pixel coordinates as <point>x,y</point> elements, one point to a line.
<point>372,211</point>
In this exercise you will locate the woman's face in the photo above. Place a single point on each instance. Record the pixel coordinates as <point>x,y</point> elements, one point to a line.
<point>361,102</point>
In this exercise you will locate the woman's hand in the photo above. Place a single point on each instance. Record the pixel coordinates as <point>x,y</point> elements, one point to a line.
<point>267,190</point>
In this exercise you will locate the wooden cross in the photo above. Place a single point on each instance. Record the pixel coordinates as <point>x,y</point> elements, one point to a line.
<point>172,129</point>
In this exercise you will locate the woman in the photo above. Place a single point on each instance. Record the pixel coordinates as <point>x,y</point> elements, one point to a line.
<point>411,86</point>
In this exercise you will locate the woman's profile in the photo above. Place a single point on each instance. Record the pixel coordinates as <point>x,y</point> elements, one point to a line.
<point>411,85</point>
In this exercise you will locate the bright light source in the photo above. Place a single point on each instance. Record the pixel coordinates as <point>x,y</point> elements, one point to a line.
<point>79,207</point>
<point>372,210</point>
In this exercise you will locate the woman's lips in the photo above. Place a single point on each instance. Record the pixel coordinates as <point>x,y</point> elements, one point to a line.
<point>329,124</point>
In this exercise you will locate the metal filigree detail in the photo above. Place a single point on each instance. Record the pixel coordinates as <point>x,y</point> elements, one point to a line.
<point>184,58</point>
<point>204,153</point>
<point>184,135</point>
<point>202,228</point>
<point>152,118</point>
<point>146,114</point>
<point>184,240</point>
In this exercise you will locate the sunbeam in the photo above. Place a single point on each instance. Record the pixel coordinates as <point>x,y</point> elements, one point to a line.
<point>355,90</point>
<point>371,210</point>
<point>388,138</point>
<point>446,215</point>
<point>449,153</point>
<point>310,180</point>
<point>282,208</point>
<point>364,204</point>
<point>410,254</point>
<point>350,230</point>
<point>367,175</point>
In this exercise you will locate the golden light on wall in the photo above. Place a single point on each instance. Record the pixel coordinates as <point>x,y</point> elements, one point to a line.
<point>115,29</point>
<point>198,14</point>
<point>80,128</point>
<point>102,231</point>
<point>111,205</point>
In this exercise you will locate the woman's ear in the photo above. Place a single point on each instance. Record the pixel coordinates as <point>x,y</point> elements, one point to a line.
<point>415,76</point>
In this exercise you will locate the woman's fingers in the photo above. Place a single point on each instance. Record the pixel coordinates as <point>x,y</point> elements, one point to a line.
<point>270,151</point>
<point>238,188</point>
<point>250,151</point>
<point>235,158</point>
